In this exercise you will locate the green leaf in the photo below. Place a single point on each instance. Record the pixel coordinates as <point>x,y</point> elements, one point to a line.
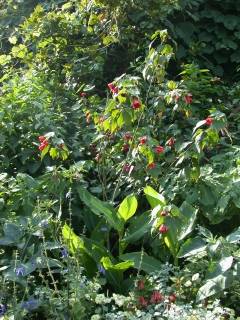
<point>214,286</point>
<point>138,227</point>
<point>122,266</point>
<point>188,218</point>
<point>234,236</point>
<point>101,208</point>
<point>128,207</point>
<point>218,268</point>
<point>142,261</point>
<point>192,247</point>
<point>153,197</point>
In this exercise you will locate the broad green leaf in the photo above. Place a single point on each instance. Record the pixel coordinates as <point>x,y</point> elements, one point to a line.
<point>214,286</point>
<point>218,268</point>
<point>100,208</point>
<point>188,218</point>
<point>128,207</point>
<point>153,197</point>
<point>138,227</point>
<point>142,261</point>
<point>122,266</point>
<point>192,247</point>
<point>234,237</point>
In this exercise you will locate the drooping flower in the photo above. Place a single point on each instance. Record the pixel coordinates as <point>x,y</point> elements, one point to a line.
<point>113,88</point>
<point>163,228</point>
<point>156,297</point>
<point>142,301</point>
<point>127,136</point>
<point>172,298</point>
<point>159,149</point>
<point>125,148</point>
<point>143,140</point>
<point>188,98</point>
<point>151,165</point>
<point>209,121</point>
<point>170,142</point>
<point>41,138</point>
<point>83,94</point>
<point>136,104</point>
<point>164,213</point>
<point>140,285</point>
<point>127,168</point>
<point>44,143</point>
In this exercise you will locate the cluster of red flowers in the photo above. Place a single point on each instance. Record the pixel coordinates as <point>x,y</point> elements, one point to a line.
<point>155,298</point>
<point>43,142</point>
<point>113,88</point>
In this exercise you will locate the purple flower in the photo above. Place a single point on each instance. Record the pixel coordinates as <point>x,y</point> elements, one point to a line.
<point>20,271</point>
<point>101,270</point>
<point>64,253</point>
<point>3,309</point>
<point>30,304</point>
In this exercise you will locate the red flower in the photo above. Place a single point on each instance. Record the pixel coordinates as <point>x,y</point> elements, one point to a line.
<point>136,104</point>
<point>172,298</point>
<point>83,94</point>
<point>164,213</point>
<point>188,98</point>
<point>43,145</point>
<point>163,228</point>
<point>128,136</point>
<point>143,140</point>
<point>126,168</point>
<point>176,97</point>
<point>113,88</point>
<point>170,142</point>
<point>142,301</point>
<point>140,285</point>
<point>151,165</point>
<point>159,149</point>
<point>125,147</point>
<point>209,121</point>
<point>41,138</point>
<point>156,297</point>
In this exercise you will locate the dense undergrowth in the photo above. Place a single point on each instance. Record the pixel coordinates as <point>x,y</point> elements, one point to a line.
<point>119,164</point>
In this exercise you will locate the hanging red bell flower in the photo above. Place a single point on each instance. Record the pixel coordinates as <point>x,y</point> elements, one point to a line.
<point>127,136</point>
<point>163,229</point>
<point>156,297</point>
<point>209,121</point>
<point>170,142</point>
<point>151,165</point>
<point>125,148</point>
<point>143,140</point>
<point>188,98</point>
<point>136,104</point>
<point>172,298</point>
<point>159,149</point>
<point>142,301</point>
<point>140,285</point>
<point>113,88</point>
